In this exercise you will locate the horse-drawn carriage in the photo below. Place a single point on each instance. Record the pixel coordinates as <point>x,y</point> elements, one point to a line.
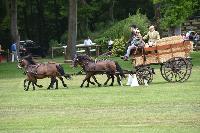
<point>171,53</point>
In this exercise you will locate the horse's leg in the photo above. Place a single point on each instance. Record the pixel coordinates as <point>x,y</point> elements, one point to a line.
<point>40,86</point>
<point>108,78</point>
<point>91,81</point>
<point>119,80</point>
<point>112,76</point>
<point>56,81</point>
<point>25,83</point>
<point>88,75</point>
<point>51,84</point>
<point>65,85</point>
<point>29,82</point>
<point>96,81</point>
<point>33,84</point>
<point>88,82</point>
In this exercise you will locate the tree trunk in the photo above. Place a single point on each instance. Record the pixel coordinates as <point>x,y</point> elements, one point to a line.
<point>56,13</point>
<point>41,24</point>
<point>157,16</point>
<point>26,21</point>
<point>14,29</point>
<point>111,10</point>
<point>72,30</point>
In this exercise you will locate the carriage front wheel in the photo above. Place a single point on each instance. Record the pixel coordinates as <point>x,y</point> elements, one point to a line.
<point>144,73</point>
<point>176,69</point>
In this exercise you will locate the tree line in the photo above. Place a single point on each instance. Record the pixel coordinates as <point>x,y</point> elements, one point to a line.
<point>67,21</point>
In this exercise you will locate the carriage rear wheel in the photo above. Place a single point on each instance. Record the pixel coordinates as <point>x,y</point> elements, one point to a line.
<point>176,69</point>
<point>144,73</point>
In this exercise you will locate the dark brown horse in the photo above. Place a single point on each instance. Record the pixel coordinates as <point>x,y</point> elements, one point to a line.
<point>36,71</point>
<point>111,68</point>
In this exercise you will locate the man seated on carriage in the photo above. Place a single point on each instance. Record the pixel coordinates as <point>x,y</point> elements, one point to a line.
<point>152,36</point>
<point>134,42</point>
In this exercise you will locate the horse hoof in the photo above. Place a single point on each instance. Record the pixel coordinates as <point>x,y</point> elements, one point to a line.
<point>99,85</point>
<point>40,86</point>
<point>81,86</point>
<point>26,89</point>
<point>111,85</point>
<point>48,88</point>
<point>65,85</point>
<point>56,88</point>
<point>87,86</point>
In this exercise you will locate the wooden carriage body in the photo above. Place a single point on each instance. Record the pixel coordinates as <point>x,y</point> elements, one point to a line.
<point>164,50</point>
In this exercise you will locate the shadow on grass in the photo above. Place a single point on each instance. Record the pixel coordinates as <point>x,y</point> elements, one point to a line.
<point>166,82</point>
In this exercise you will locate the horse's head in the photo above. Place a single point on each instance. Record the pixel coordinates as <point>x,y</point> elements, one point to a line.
<point>76,61</point>
<point>81,60</point>
<point>22,63</point>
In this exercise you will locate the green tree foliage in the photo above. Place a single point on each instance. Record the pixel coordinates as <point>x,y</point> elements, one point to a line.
<point>121,30</point>
<point>45,20</point>
<point>175,12</point>
<point>119,46</point>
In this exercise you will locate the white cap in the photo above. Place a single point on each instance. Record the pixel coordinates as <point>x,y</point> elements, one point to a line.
<point>151,27</point>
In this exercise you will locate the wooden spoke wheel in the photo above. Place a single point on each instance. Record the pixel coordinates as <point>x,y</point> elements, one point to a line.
<point>144,73</point>
<point>176,69</point>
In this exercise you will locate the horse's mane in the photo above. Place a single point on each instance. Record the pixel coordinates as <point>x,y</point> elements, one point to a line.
<point>85,57</point>
<point>29,58</point>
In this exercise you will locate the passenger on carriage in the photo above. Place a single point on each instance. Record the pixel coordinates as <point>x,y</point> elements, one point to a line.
<point>152,35</point>
<point>134,41</point>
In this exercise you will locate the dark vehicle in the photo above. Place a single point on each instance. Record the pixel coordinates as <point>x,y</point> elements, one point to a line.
<point>30,47</point>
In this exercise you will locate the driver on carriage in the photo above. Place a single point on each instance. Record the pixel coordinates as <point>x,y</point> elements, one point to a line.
<point>152,36</point>
<point>134,41</point>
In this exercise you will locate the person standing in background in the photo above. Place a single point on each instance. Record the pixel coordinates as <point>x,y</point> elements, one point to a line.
<point>87,43</point>
<point>1,50</point>
<point>110,44</point>
<point>14,52</point>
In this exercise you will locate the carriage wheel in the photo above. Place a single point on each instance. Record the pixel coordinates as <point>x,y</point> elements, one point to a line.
<point>176,69</point>
<point>144,73</point>
<point>189,70</point>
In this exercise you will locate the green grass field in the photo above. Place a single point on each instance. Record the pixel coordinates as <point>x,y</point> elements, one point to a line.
<point>161,107</point>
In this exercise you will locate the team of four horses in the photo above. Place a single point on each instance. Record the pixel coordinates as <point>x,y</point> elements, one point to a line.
<point>53,71</point>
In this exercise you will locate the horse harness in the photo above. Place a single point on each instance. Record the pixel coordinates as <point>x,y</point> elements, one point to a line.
<point>32,69</point>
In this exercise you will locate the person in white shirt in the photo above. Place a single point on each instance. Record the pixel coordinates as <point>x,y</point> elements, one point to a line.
<point>87,42</point>
<point>110,44</point>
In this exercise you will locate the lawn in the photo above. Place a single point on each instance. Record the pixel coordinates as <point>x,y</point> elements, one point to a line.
<point>161,107</point>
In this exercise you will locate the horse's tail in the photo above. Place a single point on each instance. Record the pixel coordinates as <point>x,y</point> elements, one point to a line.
<point>119,69</point>
<point>62,72</point>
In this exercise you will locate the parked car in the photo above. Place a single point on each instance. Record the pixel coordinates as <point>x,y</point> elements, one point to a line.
<point>30,47</point>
